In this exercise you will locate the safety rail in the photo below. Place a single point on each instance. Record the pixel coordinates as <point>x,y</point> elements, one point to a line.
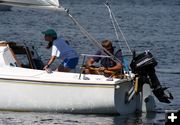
<point>127,73</point>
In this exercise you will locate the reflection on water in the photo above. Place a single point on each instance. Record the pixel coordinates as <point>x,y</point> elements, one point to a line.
<point>14,118</point>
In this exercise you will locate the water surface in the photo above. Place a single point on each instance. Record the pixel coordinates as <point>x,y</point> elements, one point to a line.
<point>151,25</point>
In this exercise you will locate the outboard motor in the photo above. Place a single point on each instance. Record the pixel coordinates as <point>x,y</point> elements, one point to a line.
<point>143,65</point>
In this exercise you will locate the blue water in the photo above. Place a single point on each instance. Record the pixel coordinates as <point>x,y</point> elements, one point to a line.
<point>147,25</point>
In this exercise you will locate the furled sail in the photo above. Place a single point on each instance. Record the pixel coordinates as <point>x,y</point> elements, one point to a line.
<point>37,3</point>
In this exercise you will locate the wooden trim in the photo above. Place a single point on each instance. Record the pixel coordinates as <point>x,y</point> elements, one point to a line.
<point>17,61</point>
<point>28,53</point>
<point>4,43</point>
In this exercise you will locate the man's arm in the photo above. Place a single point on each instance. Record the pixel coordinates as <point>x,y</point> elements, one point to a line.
<point>117,67</point>
<point>50,62</point>
<point>89,62</point>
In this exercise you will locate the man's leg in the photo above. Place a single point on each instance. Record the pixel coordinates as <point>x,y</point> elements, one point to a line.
<point>61,68</point>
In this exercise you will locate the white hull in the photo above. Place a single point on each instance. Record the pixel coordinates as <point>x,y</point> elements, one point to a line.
<point>28,96</point>
<point>80,96</point>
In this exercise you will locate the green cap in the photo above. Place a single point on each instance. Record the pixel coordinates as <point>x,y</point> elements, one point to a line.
<point>50,32</point>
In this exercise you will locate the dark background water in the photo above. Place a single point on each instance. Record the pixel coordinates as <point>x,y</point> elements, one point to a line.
<point>147,25</point>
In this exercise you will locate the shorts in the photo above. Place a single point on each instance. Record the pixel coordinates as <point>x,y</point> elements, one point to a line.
<point>70,63</point>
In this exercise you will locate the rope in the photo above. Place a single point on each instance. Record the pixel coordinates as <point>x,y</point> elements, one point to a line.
<point>115,22</point>
<point>111,73</point>
<point>90,37</point>
<point>122,34</point>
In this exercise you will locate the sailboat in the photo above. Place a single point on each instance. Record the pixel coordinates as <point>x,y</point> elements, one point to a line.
<point>25,87</point>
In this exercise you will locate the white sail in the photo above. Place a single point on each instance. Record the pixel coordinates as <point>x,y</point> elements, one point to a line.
<point>38,3</point>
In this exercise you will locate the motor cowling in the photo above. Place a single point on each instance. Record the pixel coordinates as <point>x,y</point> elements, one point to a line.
<point>143,65</point>
<point>143,61</point>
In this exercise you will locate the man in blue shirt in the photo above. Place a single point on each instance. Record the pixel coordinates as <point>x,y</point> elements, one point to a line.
<point>60,50</point>
<point>108,66</point>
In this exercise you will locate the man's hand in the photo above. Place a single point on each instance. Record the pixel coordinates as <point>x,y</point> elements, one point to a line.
<point>49,62</point>
<point>46,67</point>
<point>101,69</point>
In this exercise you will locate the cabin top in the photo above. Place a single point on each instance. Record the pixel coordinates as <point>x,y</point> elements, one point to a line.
<point>19,55</point>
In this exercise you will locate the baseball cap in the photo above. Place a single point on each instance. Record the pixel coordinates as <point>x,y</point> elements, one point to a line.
<point>50,32</point>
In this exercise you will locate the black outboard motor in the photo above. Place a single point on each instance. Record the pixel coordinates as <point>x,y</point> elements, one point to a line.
<point>144,66</point>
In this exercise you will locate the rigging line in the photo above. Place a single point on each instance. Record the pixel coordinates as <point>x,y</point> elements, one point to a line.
<point>114,20</point>
<point>122,33</point>
<point>81,28</point>
<point>91,38</point>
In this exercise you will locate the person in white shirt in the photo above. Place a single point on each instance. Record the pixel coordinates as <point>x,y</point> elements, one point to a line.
<point>60,50</point>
